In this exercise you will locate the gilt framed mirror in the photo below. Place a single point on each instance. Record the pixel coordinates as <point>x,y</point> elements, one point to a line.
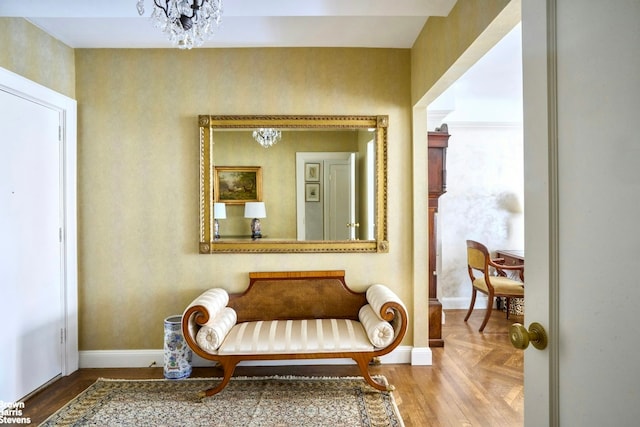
<point>323,183</point>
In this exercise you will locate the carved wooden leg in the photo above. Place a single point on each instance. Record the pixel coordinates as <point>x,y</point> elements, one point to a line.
<point>228,367</point>
<point>363,364</point>
<point>473,302</point>
<point>488,314</point>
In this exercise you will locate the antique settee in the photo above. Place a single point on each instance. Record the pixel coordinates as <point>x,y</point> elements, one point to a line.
<point>295,315</point>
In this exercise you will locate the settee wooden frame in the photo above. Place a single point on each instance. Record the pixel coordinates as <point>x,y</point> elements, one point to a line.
<point>295,296</point>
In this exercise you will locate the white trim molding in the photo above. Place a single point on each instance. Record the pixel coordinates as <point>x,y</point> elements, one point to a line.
<point>457,303</point>
<point>148,358</point>
<point>483,124</point>
<point>421,356</point>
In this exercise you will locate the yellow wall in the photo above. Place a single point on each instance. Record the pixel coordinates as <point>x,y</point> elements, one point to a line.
<point>443,40</point>
<point>138,172</point>
<point>32,53</point>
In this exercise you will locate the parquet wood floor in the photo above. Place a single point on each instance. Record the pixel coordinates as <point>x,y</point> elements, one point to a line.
<point>476,379</point>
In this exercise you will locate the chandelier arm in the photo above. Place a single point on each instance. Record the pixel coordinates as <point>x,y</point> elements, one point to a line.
<point>195,7</point>
<point>164,8</point>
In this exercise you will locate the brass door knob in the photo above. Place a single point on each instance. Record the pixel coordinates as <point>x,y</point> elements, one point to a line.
<point>521,337</point>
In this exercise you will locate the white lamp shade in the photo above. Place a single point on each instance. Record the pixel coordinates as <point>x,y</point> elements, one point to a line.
<point>219,211</point>
<point>255,210</point>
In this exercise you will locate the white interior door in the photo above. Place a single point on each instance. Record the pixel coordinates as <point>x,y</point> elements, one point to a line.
<point>30,248</point>
<point>582,189</point>
<point>326,218</point>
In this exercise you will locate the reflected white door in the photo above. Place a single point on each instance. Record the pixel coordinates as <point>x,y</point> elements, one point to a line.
<point>30,248</point>
<point>582,191</point>
<point>339,218</point>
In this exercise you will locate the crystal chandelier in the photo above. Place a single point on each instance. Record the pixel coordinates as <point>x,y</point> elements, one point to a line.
<point>187,23</point>
<point>267,136</point>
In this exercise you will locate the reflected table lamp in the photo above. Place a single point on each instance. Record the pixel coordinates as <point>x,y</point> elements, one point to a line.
<point>219,212</point>
<point>255,210</point>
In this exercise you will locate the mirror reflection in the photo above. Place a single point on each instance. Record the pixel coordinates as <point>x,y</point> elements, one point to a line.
<point>316,184</point>
<point>320,182</point>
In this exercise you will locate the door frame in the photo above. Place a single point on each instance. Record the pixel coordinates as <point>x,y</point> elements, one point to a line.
<point>17,85</point>
<point>540,132</point>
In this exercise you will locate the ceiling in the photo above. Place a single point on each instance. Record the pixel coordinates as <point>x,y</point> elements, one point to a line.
<point>245,23</point>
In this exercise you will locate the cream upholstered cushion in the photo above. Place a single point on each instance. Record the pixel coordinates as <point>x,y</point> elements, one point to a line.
<point>380,332</point>
<point>296,336</point>
<point>501,285</point>
<point>377,295</point>
<point>211,335</point>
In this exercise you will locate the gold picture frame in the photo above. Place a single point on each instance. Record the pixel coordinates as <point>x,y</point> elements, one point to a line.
<point>209,125</point>
<point>237,184</point>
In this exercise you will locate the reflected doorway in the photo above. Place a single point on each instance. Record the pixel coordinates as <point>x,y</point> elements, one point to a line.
<point>326,207</point>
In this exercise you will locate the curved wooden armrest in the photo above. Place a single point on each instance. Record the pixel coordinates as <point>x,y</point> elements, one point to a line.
<point>505,267</point>
<point>501,267</point>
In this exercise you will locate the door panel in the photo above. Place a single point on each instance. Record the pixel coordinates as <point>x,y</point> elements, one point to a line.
<point>327,217</point>
<point>340,198</point>
<point>30,250</point>
<point>582,185</point>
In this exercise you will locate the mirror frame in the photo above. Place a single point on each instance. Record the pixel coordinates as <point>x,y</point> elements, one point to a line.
<point>208,124</point>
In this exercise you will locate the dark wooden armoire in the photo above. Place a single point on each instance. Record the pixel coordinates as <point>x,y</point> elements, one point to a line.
<point>437,172</point>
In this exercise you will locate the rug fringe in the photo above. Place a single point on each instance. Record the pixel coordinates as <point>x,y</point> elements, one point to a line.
<point>270,377</point>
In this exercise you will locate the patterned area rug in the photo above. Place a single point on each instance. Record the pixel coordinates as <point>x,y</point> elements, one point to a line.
<point>246,402</point>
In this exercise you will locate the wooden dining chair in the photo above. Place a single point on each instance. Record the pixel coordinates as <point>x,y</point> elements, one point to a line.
<point>489,277</point>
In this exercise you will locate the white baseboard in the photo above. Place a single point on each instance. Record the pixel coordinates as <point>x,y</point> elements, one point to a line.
<point>121,358</point>
<point>148,358</point>
<point>453,303</point>
<point>421,356</point>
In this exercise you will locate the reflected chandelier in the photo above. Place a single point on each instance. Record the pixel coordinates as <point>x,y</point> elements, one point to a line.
<point>267,136</point>
<point>187,23</point>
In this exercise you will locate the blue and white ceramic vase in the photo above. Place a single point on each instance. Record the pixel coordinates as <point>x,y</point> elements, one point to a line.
<point>177,355</point>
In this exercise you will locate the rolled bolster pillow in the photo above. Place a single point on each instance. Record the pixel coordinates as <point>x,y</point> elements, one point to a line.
<point>380,332</point>
<point>211,335</point>
<point>213,300</point>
